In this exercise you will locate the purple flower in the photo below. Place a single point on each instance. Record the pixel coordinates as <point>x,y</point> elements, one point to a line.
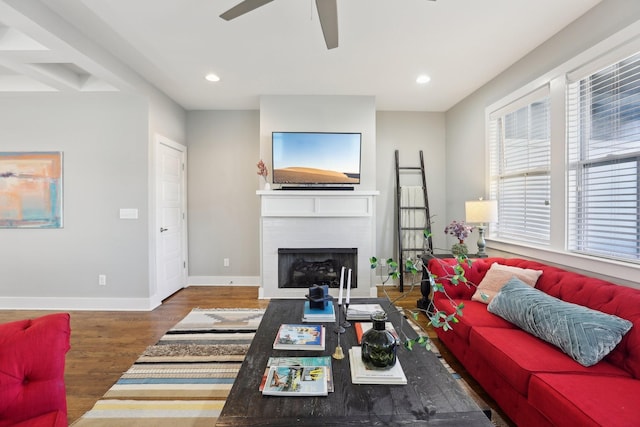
<point>458,229</point>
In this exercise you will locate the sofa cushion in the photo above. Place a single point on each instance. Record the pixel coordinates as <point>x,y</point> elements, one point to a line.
<point>498,276</point>
<point>587,400</point>
<point>584,334</point>
<point>598,294</point>
<point>516,354</point>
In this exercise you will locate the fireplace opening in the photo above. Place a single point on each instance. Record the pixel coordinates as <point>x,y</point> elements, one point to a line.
<point>303,268</point>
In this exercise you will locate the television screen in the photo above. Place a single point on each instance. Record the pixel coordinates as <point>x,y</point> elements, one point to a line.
<point>316,158</point>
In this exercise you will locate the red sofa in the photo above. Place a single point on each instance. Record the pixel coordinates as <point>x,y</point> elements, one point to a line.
<point>32,359</point>
<point>534,382</point>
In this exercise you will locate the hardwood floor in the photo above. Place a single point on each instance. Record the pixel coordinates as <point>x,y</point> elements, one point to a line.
<point>104,344</point>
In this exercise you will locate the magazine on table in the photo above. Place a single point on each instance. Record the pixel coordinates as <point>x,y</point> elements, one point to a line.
<point>300,337</point>
<point>302,361</point>
<point>296,381</point>
<point>362,311</point>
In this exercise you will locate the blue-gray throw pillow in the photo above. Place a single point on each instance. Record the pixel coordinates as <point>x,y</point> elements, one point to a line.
<point>584,334</point>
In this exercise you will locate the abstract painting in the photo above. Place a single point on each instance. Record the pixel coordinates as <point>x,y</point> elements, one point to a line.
<point>30,189</point>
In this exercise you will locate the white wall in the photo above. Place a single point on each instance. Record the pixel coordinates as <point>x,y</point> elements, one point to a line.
<point>465,126</point>
<point>409,132</point>
<point>105,142</point>
<point>224,210</point>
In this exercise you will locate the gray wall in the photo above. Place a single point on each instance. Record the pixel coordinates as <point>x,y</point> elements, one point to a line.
<point>224,218</point>
<point>409,132</point>
<point>465,126</point>
<point>465,123</point>
<point>223,150</point>
<point>104,139</point>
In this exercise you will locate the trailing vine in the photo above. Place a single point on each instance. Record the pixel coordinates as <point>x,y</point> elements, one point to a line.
<point>437,318</point>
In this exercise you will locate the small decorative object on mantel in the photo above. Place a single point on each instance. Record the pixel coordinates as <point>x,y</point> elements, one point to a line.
<point>264,172</point>
<point>378,344</point>
<point>461,231</point>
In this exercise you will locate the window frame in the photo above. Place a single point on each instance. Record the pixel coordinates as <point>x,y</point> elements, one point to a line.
<point>499,176</point>
<point>621,44</point>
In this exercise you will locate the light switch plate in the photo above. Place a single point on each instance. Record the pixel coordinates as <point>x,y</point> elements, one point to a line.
<point>128,213</point>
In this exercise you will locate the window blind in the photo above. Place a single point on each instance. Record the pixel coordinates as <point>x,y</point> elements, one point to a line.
<point>603,136</point>
<point>520,162</point>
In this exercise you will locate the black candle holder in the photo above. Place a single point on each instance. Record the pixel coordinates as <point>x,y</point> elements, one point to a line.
<point>345,323</point>
<point>339,329</point>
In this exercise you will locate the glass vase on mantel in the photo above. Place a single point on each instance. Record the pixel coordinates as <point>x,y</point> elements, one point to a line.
<point>378,344</point>
<point>266,186</point>
<point>460,248</point>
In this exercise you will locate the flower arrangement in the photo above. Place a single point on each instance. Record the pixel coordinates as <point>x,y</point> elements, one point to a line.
<point>262,169</point>
<point>458,229</point>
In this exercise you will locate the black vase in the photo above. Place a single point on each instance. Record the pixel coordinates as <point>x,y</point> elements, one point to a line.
<point>378,344</point>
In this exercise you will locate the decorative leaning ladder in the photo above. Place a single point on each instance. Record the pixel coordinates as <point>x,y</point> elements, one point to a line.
<point>413,217</point>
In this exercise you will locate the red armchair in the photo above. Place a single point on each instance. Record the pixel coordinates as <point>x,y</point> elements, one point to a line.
<point>32,359</point>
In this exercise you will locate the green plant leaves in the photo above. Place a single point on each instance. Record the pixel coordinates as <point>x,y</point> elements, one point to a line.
<point>374,262</point>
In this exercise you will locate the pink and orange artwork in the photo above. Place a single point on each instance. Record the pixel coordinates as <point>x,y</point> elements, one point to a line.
<point>30,189</point>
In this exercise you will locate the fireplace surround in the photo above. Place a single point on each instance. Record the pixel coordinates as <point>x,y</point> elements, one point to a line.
<point>316,219</point>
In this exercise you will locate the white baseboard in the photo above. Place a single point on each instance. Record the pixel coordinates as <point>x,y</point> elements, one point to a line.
<point>223,281</point>
<point>77,304</point>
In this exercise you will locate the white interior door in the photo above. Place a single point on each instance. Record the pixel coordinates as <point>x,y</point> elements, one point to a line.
<point>171,231</point>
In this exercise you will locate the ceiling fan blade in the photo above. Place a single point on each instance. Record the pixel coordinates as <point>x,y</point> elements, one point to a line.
<point>242,8</point>
<point>328,14</point>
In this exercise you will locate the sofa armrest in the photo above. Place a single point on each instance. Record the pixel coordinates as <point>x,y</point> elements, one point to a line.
<point>51,419</point>
<point>443,268</point>
<point>32,361</point>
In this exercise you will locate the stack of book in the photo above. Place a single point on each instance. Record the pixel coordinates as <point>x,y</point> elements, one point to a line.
<point>299,337</point>
<point>362,311</point>
<point>360,374</point>
<point>315,315</point>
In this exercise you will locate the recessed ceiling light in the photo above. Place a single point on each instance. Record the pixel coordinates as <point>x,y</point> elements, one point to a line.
<point>212,77</point>
<point>423,79</point>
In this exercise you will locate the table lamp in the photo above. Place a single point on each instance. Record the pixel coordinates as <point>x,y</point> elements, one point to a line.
<point>481,212</point>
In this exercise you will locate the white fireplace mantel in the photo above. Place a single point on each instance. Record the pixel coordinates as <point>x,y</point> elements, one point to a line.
<point>316,219</point>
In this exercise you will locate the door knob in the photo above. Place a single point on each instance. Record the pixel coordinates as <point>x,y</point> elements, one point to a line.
<point>163,229</point>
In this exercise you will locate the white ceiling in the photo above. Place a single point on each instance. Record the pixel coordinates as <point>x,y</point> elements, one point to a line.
<point>278,49</point>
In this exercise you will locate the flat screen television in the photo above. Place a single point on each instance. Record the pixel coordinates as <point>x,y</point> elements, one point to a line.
<point>316,158</point>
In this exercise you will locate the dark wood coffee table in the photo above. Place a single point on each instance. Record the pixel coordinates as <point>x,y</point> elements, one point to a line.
<point>432,396</point>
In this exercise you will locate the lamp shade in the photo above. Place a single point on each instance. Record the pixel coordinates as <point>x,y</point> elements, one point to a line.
<point>481,211</point>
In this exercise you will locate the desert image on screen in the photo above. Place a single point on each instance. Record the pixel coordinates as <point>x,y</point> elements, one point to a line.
<point>302,175</point>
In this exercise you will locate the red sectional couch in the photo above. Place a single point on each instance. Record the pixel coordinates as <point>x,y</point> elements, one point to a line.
<point>32,359</point>
<point>534,382</point>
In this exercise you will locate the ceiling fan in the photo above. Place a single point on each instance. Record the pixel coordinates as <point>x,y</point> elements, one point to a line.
<point>327,12</point>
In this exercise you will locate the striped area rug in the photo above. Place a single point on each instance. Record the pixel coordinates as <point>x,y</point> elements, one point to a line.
<point>184,378</point>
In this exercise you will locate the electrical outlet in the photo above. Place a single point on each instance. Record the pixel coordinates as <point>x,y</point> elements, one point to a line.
<point>226,262</point>
<point>102,279</point>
